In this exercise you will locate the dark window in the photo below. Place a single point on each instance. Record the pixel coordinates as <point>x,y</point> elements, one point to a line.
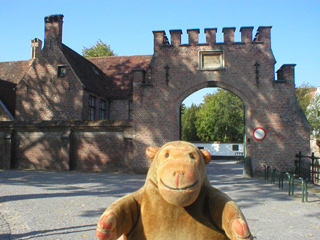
<point>62,71</point>
<point>235,147</point>
<point>130,110</point>
<point>102,109</point>
<point>92,107</point>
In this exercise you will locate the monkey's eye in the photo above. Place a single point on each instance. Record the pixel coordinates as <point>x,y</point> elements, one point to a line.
<point>191,155</point>
<point>167,155</point>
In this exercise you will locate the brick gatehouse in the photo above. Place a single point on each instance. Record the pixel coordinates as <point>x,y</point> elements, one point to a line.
<point>61,111</point>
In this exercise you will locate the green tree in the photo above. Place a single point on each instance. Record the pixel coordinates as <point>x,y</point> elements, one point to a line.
<point>221,118</point>
<point>99,50</point>
<point>304,96</point>
<point>182,109</point>
<point>313,115</point>
<point>188,119</point>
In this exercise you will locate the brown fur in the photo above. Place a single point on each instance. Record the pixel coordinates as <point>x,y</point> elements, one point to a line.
<point>176,202</point>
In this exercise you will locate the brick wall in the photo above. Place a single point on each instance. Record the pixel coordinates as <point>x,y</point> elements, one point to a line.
<point>43,95</point>
<point>40,150</point>
<point>119,110</point>
<point>66,145</point>
<point>246,69</point>
<point>91,154</point>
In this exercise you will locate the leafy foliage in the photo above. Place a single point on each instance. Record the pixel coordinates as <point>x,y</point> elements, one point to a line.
<point>313,115</point>
<point>99,50</point>
<point>188,119</point>
<point>310,106</point>
<point>219,118</point>
<point>304,96</point>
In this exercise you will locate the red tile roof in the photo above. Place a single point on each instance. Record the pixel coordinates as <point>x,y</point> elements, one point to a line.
<point>110,77</point>
<point>90,76</point>
<point>119,72</point>
<point>13,71</point>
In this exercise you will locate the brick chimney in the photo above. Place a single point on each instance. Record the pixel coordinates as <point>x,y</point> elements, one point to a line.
<point>53,30</point>
<point>36,45</point>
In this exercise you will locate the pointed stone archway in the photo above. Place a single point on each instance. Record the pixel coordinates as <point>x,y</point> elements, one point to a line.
<point>215,84</point>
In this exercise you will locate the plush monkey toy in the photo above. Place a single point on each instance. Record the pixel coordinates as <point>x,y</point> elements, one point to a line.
<point>177,201</point>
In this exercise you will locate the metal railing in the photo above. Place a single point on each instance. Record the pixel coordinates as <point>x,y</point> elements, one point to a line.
<point>270,173</point>
<point>239,157</point>
<point>308,167</point>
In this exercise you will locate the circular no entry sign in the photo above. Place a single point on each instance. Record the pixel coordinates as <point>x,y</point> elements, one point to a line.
<point>259,133</point>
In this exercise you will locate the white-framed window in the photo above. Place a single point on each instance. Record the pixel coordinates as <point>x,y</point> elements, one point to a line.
<point>211,60</point>
<point>92,107</point>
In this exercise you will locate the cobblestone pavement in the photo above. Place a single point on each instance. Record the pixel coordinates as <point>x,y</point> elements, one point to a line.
<point>67,205</point>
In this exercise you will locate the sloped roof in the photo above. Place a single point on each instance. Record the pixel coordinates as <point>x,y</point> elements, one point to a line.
<point>117,66</point>
<point>8,95</point>
<point>10,75</point>
<point>110,77</point>
<point>91,77</point>
<point>13,71</point>
<point>119,71</point>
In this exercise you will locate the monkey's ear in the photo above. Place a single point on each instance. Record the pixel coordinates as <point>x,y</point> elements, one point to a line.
<point>151,152</point>
<point>206,156</point>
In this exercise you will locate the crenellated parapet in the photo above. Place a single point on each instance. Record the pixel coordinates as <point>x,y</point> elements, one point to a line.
<point>211,34</point>
<point>286,73</point>
<point>263,35</point>
<point>246,34</point>
<point>228,35</point>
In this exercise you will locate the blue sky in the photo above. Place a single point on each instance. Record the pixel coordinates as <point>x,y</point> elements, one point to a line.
<point>127,26</point>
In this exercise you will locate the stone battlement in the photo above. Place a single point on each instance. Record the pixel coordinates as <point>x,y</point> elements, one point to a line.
<point>262,36</point>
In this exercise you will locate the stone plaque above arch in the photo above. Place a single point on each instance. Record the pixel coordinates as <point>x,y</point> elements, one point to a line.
<point>211,60</point>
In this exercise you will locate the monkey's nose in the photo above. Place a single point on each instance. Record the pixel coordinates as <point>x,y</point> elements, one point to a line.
<point>178,173</point>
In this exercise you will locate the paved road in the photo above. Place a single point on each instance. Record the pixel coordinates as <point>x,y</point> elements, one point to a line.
<point>67,205</point>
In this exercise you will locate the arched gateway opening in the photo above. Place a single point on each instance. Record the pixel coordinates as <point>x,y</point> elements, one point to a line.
<point>214,84</point>
<point>244,68</point>
<point>213,119</point>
